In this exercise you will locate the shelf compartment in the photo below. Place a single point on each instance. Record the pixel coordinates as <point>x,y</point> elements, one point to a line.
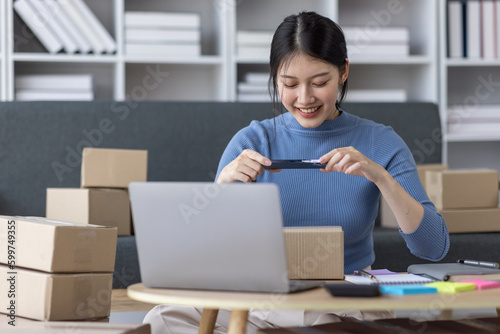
<point>103,74</point>
<point>419,16</point>
<point>213,19</point>
<point>25,41</point>
<point>174,82</point>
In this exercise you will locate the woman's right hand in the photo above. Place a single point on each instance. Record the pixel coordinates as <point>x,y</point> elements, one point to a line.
<point>245,168</point>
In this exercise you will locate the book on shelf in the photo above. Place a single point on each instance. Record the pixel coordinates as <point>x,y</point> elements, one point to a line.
<point>38,26</point>
<point>81,82</point>
<point>257,38</point>
<point>45,13</point>
<point>139,19</point>
<point>244,87</point>
<point>488,41</point>
<point>376,95</point>
<point>83,25</point>
<point>53,95</point>
<point>82,44</point>
<point>152,35</point>
<point>254,97</point>
<point>371,50</point>
<point>455,29</point>
<point>497,26</point>
<point>95,25</point>
<point>485,112</point>
<point>172,49</point>
<point>473,29</point>
<point>390,35</point>
<point>257,78</point>
<point>253,52</point>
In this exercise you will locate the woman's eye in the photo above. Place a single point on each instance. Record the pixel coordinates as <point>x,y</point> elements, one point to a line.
<point>320,84</point>
<point>290,85</point>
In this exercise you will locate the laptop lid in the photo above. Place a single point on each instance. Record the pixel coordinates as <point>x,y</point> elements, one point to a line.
<point>199,235</point>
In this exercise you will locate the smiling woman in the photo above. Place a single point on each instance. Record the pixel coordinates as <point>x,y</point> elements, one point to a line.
<point>308,89</point>
<point>363,160</point>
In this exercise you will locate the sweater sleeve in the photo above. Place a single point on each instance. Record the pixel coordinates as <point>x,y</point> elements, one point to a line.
<point>430,240</point>
<point>252,137</point>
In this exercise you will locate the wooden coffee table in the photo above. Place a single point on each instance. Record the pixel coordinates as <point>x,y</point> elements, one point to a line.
<point>317,299</point>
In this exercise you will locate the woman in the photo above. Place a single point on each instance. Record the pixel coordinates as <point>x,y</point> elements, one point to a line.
<point>363,160</point>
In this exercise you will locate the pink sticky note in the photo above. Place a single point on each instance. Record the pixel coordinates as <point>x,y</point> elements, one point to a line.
<point>482,284</point>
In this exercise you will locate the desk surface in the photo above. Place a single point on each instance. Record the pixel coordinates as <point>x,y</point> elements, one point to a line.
<point>316,299</point>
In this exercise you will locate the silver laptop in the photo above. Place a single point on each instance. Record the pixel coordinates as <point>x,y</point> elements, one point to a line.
<point>197,235</point>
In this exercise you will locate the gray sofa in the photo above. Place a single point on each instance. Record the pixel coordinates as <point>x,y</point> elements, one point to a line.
<point>41,143</point>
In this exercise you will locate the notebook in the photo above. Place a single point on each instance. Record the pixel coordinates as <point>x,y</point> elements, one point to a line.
<point>197,235</point>
<point>393,279</point>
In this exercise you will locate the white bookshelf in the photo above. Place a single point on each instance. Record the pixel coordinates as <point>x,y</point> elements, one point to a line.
<point>215,74</point>
<point>3,47</point>
<point>459,81</point>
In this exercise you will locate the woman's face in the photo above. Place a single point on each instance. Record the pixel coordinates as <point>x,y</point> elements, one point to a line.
<point>308,89</point>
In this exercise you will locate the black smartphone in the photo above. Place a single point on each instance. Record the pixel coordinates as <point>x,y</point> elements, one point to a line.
<point>352,290</point>
<point>295,164</point>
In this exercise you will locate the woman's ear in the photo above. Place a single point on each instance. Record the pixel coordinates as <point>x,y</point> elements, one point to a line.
<point>344,73</point>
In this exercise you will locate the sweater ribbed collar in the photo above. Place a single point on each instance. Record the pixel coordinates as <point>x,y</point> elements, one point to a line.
<point>342,123</point>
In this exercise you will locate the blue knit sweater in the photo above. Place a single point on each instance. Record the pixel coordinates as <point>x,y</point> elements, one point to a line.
<point>313,198</point>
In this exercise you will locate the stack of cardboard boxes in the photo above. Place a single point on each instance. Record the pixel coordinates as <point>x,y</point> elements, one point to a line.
<point>466,198</point>
<point>103,197</point>
<point>55,270</point>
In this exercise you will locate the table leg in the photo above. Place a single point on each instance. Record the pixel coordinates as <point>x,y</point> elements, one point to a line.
<point>238,322</point>
<point>445,314</point>
<point>208,318</point>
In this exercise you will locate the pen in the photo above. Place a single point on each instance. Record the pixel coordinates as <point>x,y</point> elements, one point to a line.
<point>484,264</point>
<point>367,274</point>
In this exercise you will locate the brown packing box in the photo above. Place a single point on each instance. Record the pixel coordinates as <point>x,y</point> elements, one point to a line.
<point>54,246</point>
<point>315,252</point>
<point>463,188</point>
<point>113,168</point>
<point>472,220</point>
<point>25,326</point>
<point>97,206</point>
<point>422,171</point>
<point>387,218</point>
<point>48,296</point>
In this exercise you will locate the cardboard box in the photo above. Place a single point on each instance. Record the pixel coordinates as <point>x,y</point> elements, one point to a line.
<point>53,246</point>
<point>315,252</point>
<point>463,188</point>
<point>472,220</point>
<point>387,218</point>
<point>48,296</point>
<point>97,206</point>
<point>422,169</point>
<point>113,168</point>
<point>27,326</point>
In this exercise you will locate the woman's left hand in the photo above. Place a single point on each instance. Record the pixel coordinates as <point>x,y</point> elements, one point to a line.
<point>350,161</point>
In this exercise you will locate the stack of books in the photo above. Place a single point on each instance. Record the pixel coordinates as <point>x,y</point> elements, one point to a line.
<point>254,88</point>
<point>473,29</point>
<point>154,33</point>
<point>383,41</point>
<point>480,120</point>
<point>65,25</point>
<point>54,87</point>
<point>376,95</point>
<point>253,44</point>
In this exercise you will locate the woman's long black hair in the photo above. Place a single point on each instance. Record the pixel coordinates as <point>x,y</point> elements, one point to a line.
<point>310,34</point>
